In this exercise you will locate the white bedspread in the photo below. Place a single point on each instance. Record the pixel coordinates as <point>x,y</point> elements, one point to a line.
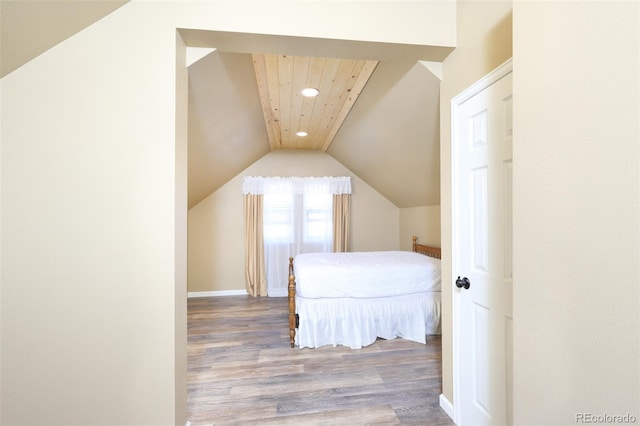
<point>353,298</point>
<point>365,274</point>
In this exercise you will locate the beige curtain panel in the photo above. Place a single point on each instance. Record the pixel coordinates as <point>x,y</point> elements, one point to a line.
<point>341,219</point>
<point>264,279</point>
<point>256,279</point>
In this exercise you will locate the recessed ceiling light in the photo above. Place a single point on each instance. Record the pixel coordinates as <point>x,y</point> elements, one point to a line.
<point>302,134</point>
<point>310,92</point>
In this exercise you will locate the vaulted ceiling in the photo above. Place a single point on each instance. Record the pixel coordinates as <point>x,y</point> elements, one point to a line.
<point>377,114</point>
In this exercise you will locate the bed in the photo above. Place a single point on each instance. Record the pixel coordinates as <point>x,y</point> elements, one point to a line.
<point>353,298</point>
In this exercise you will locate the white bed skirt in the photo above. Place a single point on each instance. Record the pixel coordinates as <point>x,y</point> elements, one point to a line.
<point>359,322</point>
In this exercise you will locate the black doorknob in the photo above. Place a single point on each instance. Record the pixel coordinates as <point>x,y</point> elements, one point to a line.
<point>463,282</point>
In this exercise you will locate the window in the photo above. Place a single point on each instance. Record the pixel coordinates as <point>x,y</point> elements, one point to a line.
<point>278,218</point>
<point>318,218</point>
<point>297,217</point>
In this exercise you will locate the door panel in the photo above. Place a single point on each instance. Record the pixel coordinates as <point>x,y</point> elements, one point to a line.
<point>479,220</point>
<point>481,354</point>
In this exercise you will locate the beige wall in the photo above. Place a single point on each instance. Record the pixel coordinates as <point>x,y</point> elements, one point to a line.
<point>180,253</point>
<point>92,250</point>
<point>423,222</point>
<point>216,227</point>
<point>484,42</point>
<point>576,210</point>
<point>90,233</point>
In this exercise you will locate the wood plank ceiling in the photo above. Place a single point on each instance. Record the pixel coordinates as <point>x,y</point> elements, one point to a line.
<point>281,79</point>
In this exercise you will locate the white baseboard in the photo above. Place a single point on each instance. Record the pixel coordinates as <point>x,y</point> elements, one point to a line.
<point>217,293</point>
<point>447,406</point>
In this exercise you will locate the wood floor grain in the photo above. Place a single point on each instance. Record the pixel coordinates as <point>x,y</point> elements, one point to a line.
<point>242,371</point>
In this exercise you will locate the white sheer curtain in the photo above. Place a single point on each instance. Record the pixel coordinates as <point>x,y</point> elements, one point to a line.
<point>297,218</point>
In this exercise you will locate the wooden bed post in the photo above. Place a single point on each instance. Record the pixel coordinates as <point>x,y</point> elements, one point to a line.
<point>292,304</point>
<point>430,251</point>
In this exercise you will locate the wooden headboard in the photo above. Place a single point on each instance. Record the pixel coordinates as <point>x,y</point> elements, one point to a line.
<point>426,250</point>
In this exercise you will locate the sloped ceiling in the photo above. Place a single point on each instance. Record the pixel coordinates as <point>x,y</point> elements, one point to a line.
<point>389,138</point>
<point>30,27</point>
<point>227,132</point>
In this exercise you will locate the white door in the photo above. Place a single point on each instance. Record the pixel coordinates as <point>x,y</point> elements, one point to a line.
<point>482,225</point>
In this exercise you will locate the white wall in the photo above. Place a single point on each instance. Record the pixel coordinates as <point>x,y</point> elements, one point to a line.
<point>92,322</point>
<point>576,210</point>
<point>216,224</point>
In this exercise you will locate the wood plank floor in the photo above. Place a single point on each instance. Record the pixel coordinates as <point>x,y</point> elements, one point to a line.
<point>242,371</point>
